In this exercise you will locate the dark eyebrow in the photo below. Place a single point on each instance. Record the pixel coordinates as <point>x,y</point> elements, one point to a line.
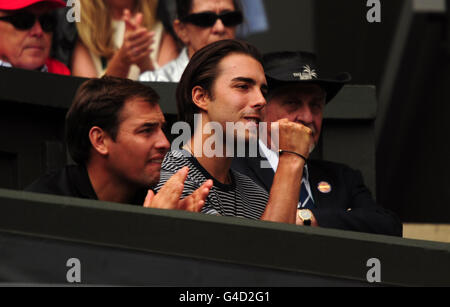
<point>214,12</point>
<point>264,87</point>
<point>152,124</point>
<point>246,80</point>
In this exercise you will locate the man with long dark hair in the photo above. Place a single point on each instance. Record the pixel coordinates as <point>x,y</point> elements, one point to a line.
<point>224,85</point>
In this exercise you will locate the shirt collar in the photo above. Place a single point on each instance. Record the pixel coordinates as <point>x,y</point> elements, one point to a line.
<point>6,64</point>
<point>273,158</point>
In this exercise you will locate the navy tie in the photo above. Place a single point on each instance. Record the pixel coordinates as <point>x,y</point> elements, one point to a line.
<point>306,201</point>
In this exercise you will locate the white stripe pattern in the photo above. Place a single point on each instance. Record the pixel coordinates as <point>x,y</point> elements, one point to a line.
<point>244,198</point>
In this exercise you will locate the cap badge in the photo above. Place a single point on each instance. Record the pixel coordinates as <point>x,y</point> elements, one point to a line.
<point>306,74</point>
<point>324,187</point>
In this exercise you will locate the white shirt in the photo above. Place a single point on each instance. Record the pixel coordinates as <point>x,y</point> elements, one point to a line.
<point>6,64</point>
<point>171,72</point>
<point>273,159</point>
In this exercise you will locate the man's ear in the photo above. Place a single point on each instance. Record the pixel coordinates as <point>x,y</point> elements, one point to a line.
<point>200,97</point>
<point>99,140</point>
<point>180,31</point>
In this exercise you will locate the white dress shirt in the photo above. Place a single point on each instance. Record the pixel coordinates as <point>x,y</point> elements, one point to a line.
<point>171,72</point>
<point>273,159</point>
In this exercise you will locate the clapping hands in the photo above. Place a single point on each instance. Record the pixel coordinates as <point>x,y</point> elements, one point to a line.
<point>169,195</point>
<point>136,47</point>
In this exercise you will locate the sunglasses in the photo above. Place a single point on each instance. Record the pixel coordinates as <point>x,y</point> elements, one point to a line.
<point>209,19</point>
<point>26,20</point>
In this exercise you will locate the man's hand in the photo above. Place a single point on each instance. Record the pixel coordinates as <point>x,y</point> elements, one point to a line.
<point>169,195</point>
<point>136,47</point>
<point>284,194</point>
<point>293,137</point>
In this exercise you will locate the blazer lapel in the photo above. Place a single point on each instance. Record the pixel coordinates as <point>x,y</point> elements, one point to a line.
<point>317,175</point>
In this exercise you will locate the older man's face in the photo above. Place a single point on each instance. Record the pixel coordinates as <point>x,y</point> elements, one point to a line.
<point>300,103</point>
<point>27,49</point>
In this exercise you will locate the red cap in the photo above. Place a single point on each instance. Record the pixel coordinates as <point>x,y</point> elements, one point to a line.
<point>20,4</point>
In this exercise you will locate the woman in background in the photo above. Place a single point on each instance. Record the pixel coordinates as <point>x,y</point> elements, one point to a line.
<point>120,38</point>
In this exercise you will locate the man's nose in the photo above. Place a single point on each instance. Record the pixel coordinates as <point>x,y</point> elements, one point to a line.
<point>36,30</point>
<point>259,100</point>
<point>304,115</point>
<point>162,143</point>
<point>219,27</point>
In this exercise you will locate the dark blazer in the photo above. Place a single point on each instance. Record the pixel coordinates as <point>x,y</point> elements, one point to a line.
<point>348,206</point>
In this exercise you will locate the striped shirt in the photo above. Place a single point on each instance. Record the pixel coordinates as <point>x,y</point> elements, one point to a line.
<point>242,198</point>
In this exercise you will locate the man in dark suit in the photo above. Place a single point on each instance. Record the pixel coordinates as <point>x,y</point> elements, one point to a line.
<point>332,195</point>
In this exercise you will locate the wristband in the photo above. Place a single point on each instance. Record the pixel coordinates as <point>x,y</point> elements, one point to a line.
<point>292,152</point>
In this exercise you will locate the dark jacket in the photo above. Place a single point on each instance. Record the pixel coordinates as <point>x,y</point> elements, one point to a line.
<point>348,206</point>
<point>72,181</point>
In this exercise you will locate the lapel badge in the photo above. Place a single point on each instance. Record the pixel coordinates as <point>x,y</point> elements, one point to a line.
<point>324,187</point>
